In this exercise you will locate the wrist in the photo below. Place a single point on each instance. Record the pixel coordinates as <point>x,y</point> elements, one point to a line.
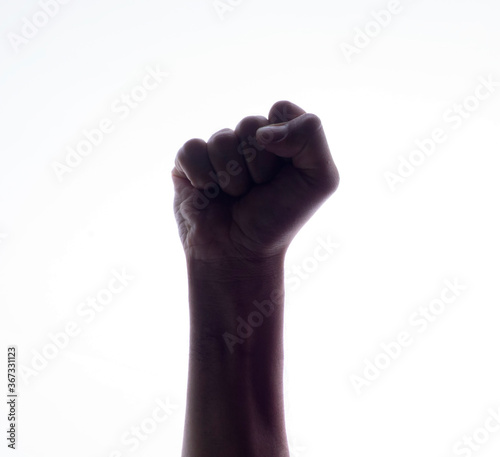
<point>237,306</point>
<point>228,270</point>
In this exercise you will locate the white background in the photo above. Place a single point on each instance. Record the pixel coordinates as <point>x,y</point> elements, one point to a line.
<point>60,239</point>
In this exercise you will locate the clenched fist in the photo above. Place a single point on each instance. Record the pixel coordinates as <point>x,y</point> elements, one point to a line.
<point>245,194</point>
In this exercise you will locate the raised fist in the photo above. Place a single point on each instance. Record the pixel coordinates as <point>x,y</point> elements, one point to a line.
<point>245,194</point>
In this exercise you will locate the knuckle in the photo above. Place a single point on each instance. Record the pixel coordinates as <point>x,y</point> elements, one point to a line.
<point>193,146</point>
<point>311,122</point>
<point>251,123</point>
<point>330,182</point>
<point>222,139</point>
<point>280,112</point>
<point>334,184</point>
<point>189,154</point>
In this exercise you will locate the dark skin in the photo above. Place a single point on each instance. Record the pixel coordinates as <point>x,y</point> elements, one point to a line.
<point>266,184</point>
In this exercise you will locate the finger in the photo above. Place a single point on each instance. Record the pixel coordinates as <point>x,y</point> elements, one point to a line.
<point>230,167</point>
<point>284,111</point>
<point>303,140</point>
<point>192,163</point>
<point>262,165</point>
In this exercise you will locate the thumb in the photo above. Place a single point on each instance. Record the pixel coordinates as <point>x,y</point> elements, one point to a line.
<point>303,140</point>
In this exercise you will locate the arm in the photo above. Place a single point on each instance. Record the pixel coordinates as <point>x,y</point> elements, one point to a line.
<point>235,387</point>
<point>239,200</point>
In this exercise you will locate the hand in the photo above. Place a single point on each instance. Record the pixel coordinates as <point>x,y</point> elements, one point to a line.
<point>245,194</point>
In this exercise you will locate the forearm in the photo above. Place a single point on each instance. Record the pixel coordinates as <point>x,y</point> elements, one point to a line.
<point>235,388</point>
